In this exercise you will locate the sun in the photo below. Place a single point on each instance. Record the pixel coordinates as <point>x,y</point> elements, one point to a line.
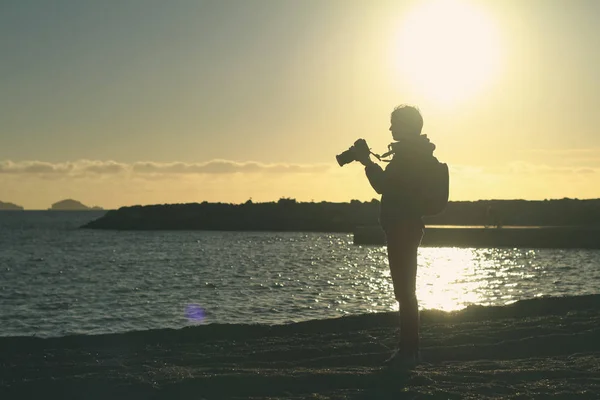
<point>448,50</point>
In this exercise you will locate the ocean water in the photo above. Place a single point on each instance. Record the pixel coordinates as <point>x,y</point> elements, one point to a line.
<point>56,279</point>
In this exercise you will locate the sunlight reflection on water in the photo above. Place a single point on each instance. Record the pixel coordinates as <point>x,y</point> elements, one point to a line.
<point>450,279</point>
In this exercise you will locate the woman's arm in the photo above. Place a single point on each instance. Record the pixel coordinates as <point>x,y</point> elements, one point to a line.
<point>376,176</point>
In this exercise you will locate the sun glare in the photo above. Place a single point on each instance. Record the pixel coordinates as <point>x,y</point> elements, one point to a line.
<point>448,50</point>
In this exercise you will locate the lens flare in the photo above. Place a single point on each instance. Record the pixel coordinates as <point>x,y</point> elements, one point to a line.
<point>195,313</point>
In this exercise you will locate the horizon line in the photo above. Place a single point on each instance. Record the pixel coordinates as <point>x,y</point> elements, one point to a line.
<point>284,198</point>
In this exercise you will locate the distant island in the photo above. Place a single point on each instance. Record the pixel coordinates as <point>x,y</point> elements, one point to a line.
<point>10,206</point>
<point>290,215</point>
<point>71,205</point>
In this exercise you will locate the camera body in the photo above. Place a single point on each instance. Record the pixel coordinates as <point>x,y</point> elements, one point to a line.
<point>348,156</point>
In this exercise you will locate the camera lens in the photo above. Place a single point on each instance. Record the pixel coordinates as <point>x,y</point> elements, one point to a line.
<point>346,157</point>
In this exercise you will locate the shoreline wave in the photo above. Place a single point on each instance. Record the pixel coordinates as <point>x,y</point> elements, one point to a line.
<point>528,308</point>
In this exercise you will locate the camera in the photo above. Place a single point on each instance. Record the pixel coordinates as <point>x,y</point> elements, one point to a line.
<point>349,155</point>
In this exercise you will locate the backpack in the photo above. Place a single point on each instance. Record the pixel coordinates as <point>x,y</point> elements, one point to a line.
<point>434,188</point>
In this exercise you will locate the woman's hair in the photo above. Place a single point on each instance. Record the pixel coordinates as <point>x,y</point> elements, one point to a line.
<point>409,115</point>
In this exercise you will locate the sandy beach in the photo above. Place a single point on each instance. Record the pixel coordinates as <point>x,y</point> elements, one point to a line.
<point>541,348</point>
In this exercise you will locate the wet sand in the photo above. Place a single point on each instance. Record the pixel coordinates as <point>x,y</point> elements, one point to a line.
<point>542,348</point>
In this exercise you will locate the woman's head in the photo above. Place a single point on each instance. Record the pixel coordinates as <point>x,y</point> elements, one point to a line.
<point>406,122</point>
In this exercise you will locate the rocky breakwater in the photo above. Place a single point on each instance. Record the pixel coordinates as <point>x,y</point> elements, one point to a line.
<point>474,236</point>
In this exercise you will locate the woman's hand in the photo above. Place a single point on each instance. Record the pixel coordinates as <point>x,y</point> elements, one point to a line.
<point>362,153</point>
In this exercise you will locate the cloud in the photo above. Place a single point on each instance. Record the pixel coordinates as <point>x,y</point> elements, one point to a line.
<point>588,157</point>
<point>103,167</point>
<point>34,167</point>
<point>224,167</point>
<point>592,151</point>
<point>95,168</point>
<point>91,167</point>
<point>528,168</point>
<point>462,169</point>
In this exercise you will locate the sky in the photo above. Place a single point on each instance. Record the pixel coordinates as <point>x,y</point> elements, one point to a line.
<point>116,103</point>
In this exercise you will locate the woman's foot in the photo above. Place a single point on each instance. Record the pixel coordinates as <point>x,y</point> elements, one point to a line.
<point>403,360</point>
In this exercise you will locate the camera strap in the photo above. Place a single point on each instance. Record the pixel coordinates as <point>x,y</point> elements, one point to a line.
<point>384,155</point>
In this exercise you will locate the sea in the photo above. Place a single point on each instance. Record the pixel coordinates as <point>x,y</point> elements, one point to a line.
<point>57,279</point>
